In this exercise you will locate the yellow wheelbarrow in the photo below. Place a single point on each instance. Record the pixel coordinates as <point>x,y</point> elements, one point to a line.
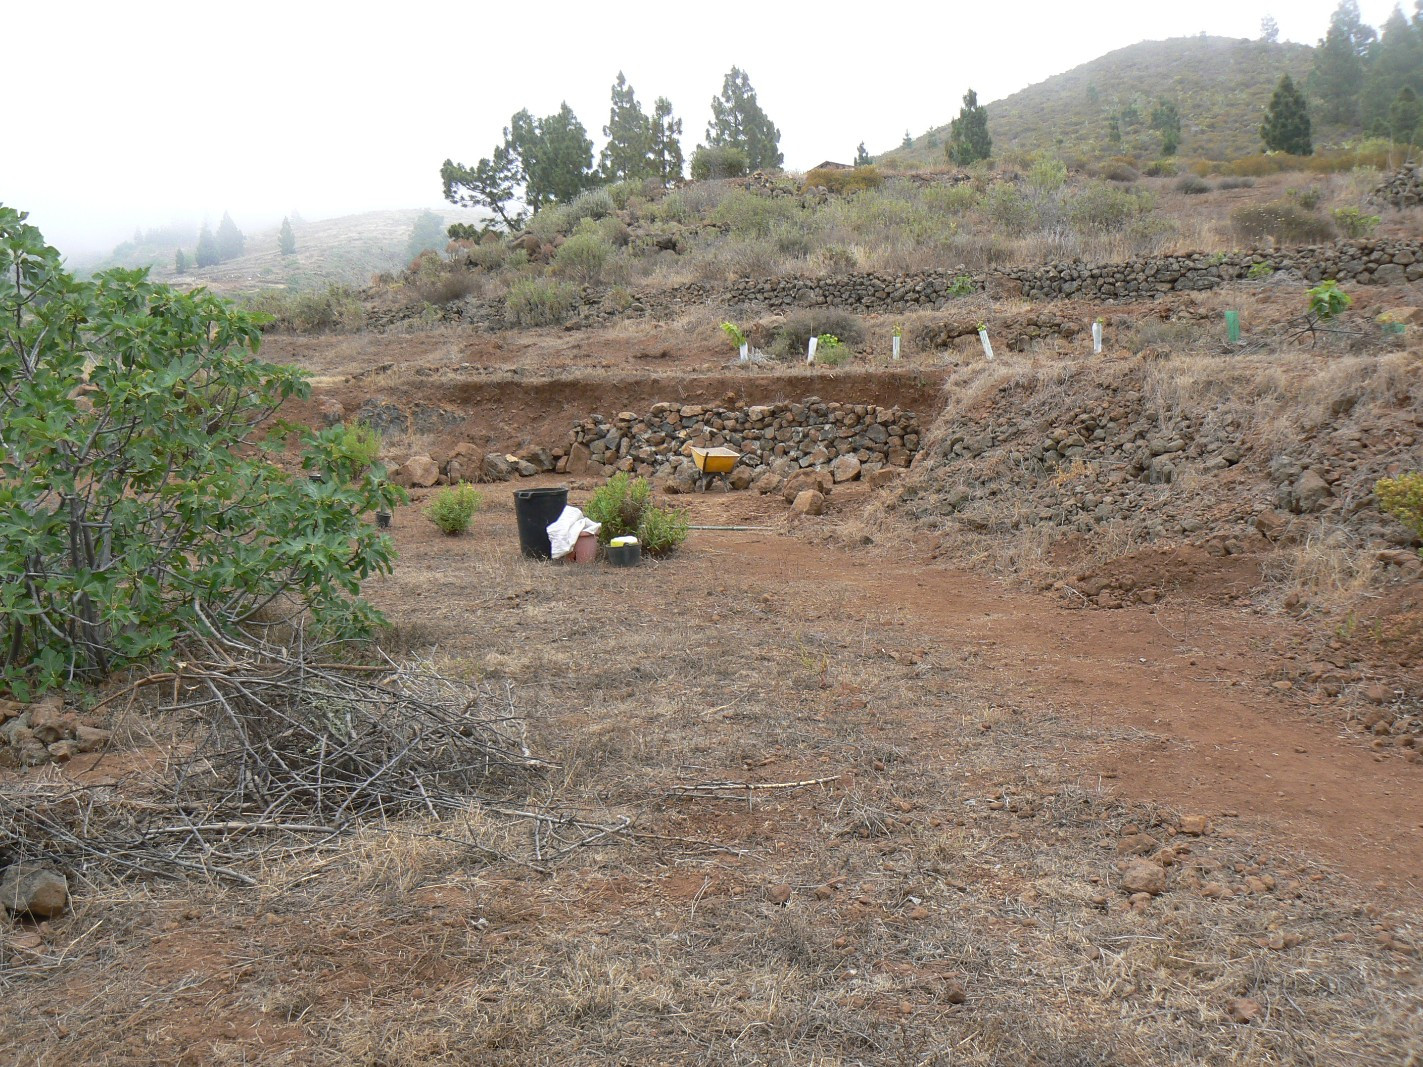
<point>714,463</point>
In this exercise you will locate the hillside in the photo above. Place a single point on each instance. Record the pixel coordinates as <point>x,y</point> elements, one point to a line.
<point>348,249</point>
<point>1221,86</point>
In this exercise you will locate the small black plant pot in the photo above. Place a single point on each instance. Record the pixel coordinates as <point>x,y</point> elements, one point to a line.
<point>623,555</point>
<point>383,520</point>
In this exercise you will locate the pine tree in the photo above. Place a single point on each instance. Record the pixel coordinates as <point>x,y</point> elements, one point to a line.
<point>230,242</point>
<point>1405,117</point>
<point>628,153</point>
<point>1286,127</point>
<point>1269,29</point>
<point>561,166</point>
<point>738,122</point>
<point>1338,74</point>
<point>862,157</point>
<point>908,141</point>
<point>207,254</point>
<point>1166,120</point>
<point>286,239</point>
<point>1395,63</point>
<point>180,262</point>
<point>666,144</point>
<point>968,134</point>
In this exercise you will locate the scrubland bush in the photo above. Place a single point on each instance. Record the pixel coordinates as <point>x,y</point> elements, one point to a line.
<point>1099,208</point>
<point>1192,185</point>
<point>539,302</point>
<point>1120,172</point>
<point>1283,221</point>
<point>446,285</point>
<point>1402,497</point>
<point>709,163</point>
<point>582,258</point>
<point>792,337</point>
<point>1236,183</point>
<point>951,199</point>
<point>854,180</point>
<point>335,309</point>
<point>749,214</point>
<point>1354,223</point>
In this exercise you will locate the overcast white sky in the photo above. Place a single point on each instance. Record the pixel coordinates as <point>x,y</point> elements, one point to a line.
<point>137,114</point>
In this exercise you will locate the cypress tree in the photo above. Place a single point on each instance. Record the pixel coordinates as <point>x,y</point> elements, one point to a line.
<point>1286,127</point>
<point>207,254</point>
<point>230,242</point>
<point>286,239</point>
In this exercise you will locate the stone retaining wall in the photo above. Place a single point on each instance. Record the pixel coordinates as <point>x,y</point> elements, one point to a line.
<point>850,440</point>
<point>1383,261</point>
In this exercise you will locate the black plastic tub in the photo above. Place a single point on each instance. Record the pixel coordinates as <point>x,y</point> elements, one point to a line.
<point>535,509</point>
<point>623,555</point>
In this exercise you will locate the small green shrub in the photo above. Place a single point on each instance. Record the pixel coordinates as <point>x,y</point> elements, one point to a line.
<point>1260,271</point>
<point>1354,223</point>
<point>623,505</point>
<point>582,257</point>
<point>734,333</point>
<point>661,530</point>
<point>1280,220</point>
<point>1192,185</point>
<point>452,508</point>
<point>1402,497</point>
<point>792,337</point>
<point>831,351</point>
<point>539,302</point>
<point>360,443</point>
<point>709,163</point>
<point>1309,198</point>
<point>962,285</point>
<point>1328,301</point>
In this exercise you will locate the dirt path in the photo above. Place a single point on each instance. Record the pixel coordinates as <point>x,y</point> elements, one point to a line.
<point>1214,738</point>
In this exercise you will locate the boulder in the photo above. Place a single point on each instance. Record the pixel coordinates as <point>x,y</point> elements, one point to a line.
<point>740,478</point>
<point>579,457</point>
<point>768,482</point>
<point>497,468</point>
<point>418,472</point>
<point>1144,876</point>
<point>1310,492</point>
<point>91,738</point>
<point>845,469</point>
<point>28,888</point>
<point>809,502</point>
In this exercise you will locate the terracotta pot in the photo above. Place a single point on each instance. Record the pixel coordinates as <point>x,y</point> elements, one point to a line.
<point>585,548</point>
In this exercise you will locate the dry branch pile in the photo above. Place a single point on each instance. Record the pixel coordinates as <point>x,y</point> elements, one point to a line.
<point>286,753</point>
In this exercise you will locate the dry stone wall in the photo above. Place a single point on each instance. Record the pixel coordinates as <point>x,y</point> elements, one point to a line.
<point>1383,261</point>
<point>850,441</point>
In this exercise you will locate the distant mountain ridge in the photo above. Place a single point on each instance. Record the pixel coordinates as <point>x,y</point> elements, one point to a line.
<point>345,250</point>
<point>1221,86</point>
